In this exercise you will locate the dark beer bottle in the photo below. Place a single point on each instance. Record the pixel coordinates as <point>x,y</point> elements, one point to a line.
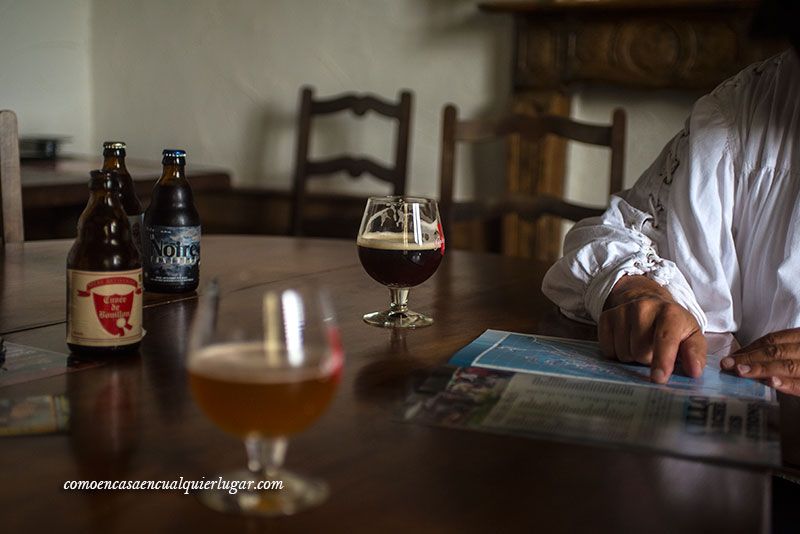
<point>114,160</point>
<point>104,276</point>
<point>172,231</point>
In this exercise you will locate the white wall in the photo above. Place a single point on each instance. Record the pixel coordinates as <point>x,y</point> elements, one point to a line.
<point>44,68</point>
<point>222,78</point>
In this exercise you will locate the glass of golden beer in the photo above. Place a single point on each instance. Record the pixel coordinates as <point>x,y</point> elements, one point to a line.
<point>400,244</point>
<point>264,366</point>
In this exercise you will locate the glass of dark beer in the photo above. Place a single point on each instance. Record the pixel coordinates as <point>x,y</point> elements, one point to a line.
<point>400,244</point>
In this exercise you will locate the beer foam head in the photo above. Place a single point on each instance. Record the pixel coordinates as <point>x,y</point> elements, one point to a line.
<point>394,241</point>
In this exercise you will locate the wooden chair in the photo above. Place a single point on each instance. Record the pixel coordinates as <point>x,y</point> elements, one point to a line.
<point>10,183</point>
<point>305,168</point>
<point>528,128</point>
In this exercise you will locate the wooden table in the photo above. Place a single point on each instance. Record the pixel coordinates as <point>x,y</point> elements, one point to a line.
<point>134,419</point>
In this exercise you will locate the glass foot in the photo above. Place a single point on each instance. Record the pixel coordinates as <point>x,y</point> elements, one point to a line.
<point>288,494</point>
<point>390,319</point>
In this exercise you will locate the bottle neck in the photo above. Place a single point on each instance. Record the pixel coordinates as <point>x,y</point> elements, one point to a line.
<point>173,172</point>
<point>106,198</point>
<point>103,207</point>
<point>114,160</point>
<point>105,241</point>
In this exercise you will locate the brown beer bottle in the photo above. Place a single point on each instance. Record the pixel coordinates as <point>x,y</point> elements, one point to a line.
<point>114,160</point>
<point>104,276</point>
<point>172,231</point>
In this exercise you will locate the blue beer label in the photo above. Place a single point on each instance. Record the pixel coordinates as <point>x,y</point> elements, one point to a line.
<point>173,255</point>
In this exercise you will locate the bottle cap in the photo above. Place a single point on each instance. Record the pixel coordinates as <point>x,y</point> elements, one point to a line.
<point>104,180</point>
<point>113,145</point>
<point>174,153</point>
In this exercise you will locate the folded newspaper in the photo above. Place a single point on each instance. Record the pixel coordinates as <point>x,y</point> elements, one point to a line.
<point>557,388</point>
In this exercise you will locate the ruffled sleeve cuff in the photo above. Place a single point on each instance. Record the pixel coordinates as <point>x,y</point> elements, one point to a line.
<point>647,263</point>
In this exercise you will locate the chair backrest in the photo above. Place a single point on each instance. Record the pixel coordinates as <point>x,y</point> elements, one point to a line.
<point>529,128</point>
<point>305,168</point>
<point>10,182</point>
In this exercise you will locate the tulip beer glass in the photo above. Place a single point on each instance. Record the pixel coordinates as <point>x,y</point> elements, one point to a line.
<point>400,244</point>
<point>264,378</point>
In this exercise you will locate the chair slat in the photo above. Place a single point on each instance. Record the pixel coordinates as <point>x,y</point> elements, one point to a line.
<point>357,104</point>
<point>355,166</point>
<point>10,180</point>
<point>530,128</point>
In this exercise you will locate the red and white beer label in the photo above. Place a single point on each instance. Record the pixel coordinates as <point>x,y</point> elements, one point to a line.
<point>104,308</point>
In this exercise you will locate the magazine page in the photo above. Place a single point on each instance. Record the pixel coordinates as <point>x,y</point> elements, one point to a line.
<point>529,353</point>
<point>729,430</point>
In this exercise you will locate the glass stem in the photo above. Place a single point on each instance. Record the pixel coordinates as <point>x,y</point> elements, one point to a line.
<point>265,456</point>
<point>399,301</point>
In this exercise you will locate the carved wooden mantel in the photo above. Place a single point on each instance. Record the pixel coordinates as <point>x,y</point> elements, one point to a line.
<point>645,44</point>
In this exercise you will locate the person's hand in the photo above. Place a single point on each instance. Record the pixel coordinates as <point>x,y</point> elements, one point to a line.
<point>774,359</point>
<point>642,323</point>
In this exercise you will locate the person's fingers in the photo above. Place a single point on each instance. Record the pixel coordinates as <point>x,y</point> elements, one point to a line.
<point>692,352</point>
<point>641,335</point>
<point>666,340</point>
<point>764,354</point>
<point>605,334</point>
<point>630,333</point>
<point>779,368</point>
<point>790,386</point>
<point>791,335</point>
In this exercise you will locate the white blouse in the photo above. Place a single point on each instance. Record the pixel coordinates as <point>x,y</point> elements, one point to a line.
<point>715,219</point>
